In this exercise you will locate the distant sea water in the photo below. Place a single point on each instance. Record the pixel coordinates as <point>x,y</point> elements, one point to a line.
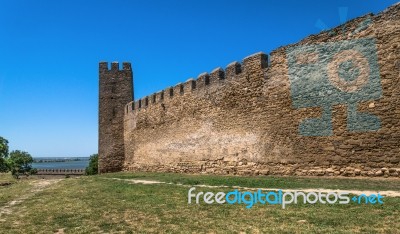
<point>61,163</point>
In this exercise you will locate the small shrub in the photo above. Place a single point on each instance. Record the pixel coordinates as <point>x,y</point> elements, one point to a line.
<point>92,169</point>
<point>20,163</point>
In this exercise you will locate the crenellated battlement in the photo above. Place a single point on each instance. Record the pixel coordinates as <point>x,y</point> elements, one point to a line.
<point>114,67</point>
<point>204,81</point>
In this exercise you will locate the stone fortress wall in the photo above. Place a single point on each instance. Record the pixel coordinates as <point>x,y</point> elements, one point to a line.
<point>328,105</point>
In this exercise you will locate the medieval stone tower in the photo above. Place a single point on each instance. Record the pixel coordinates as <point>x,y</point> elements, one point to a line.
<point>115,90</point>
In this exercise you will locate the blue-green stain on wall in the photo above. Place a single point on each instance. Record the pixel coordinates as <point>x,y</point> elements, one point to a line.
<point>327,74</point>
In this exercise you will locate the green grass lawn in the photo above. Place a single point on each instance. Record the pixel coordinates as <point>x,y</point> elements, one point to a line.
<point>266,181</point>
<point>99,204</point>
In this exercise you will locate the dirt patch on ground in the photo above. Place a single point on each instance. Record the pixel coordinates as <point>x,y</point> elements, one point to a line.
<point>59,231</point>
<point>133,181</point>
<point>5,183</point>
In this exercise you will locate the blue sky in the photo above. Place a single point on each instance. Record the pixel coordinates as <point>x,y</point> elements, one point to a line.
<point>49,54</point>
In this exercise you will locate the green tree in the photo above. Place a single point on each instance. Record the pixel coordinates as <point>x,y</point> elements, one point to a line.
<point>20,163</point>
<point>3,155</point>
<point>92,169</point>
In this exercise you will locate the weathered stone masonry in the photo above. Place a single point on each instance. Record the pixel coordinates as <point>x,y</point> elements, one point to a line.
<point>289,116</point>
<point>116,89</point>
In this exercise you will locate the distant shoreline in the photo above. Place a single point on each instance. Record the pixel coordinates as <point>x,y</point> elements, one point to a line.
<point>59,159</point>
<point>60,162</point>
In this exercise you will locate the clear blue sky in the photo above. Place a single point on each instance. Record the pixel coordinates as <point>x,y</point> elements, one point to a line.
<point>49,54</point>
